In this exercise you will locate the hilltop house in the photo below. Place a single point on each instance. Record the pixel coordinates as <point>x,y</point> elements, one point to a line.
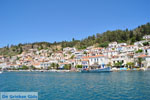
<point>112,44</point>
<point>140,43</point>
<point>146,37</point>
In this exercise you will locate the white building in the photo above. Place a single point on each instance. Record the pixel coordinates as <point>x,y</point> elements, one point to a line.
<point>112,44</point>
<point>98,60</point>
<point>122,44</point>
<point>3,65</point>
<point>111,53</point>
<point>145,60</point>
<point>139,43</point>
<point>146,37</point>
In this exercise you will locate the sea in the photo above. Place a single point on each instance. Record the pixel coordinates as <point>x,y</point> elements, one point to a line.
<point>123,85</point>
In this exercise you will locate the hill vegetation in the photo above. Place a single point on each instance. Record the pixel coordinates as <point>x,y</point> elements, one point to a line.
<point>100,40</point>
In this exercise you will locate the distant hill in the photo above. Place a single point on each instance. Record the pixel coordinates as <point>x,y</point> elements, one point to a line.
<point>100,40</point>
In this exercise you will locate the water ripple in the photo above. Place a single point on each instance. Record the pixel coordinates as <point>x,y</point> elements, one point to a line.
<point>80,86</point>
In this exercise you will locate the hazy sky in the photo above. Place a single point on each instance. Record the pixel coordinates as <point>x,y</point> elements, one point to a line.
<point>24,21</point>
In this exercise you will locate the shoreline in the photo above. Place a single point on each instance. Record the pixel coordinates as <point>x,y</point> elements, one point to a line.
<point>37,71</point>
<point>66,70</point>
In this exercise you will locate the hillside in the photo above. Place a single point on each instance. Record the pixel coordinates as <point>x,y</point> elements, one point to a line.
<point>100,40</point>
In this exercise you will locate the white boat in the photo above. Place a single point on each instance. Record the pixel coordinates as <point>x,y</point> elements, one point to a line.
<point>143,68</point>
<point>62,70</point>
<point>99,70</point>
<point>1,72</point>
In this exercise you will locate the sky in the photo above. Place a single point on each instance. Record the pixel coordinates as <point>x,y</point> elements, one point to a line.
<point>27,21</point>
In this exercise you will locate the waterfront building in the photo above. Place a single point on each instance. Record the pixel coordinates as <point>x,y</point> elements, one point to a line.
<point>85,61</point>
<point>144,60</point>
<point>99,60</point>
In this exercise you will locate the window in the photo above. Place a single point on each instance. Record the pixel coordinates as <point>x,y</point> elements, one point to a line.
<point>114,62</point>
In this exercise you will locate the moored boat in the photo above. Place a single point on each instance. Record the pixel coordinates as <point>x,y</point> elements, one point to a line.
<point>99,70</point>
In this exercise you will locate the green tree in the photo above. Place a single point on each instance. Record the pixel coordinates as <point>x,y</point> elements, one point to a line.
<point>49,67</point>
<point>85,52</point>
<point>139,51</point>
<point>53,65</point>
<point>32,67</point>
<point>73,39</point>
<point>130,64</point>
<point>146,43</point>
<point>24,67</point>
<point>57,66</point>
<point>78,66</point>
<point>67,66</point>
<point>118,64</point>
<point>105,44</point>
<point>21,50</point>
<point>72,57</point>
<point>140,61</point>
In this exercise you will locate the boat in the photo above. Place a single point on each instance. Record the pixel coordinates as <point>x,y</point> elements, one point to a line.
<point>1,72</point>
<point>115,69</point>
<point>99,70</point>
<point>143,68</point>
<point>62,70</point>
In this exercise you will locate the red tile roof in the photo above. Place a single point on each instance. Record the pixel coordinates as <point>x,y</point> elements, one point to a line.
<point>142,56</point>
<point>96,56</point>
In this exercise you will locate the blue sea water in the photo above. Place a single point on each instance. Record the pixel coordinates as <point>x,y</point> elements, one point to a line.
<point>133,85</point>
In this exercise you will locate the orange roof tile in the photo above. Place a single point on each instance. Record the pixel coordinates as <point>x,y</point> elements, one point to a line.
<point>36,64</point>
<point>64,63</point>
<point>96,56</point>
<point>142,56</point>
<point>85,60</point>
<point>85,57</point>
<point>130,45</point>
